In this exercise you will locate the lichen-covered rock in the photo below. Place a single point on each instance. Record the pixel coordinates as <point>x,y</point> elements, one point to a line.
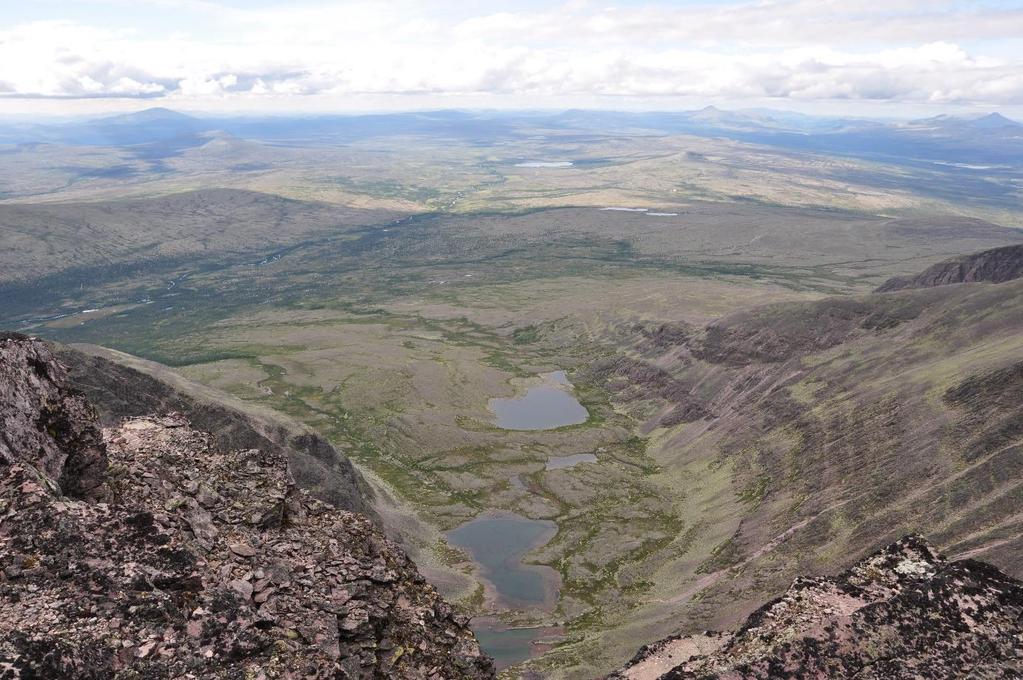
<point>44,423</point>
<point>904,612</point>
<point>196,562</point>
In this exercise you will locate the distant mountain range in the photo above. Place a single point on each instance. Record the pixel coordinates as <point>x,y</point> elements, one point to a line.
<point>981,140</point>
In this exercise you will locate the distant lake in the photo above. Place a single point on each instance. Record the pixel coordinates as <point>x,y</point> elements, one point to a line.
<point>543,407</point>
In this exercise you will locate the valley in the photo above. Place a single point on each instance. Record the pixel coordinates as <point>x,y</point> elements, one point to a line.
<point>724,402</point>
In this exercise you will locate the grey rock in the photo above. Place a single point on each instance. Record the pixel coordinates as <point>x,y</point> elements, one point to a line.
<point>45,423</point>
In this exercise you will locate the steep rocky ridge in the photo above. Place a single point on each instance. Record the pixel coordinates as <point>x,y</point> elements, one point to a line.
<point>997,265</point>
<point>823,430</point>
<point>45,418</point>
<point>150,552</point>
<point>904,612</point>
<point>120,385</point>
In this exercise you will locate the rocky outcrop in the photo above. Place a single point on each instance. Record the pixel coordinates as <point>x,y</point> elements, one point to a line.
<point>120,385</point>
<point>45,424</point>
<point>632,380</point>
<point>185,560</point>
<point>904,612</point>
<point>997,265</point>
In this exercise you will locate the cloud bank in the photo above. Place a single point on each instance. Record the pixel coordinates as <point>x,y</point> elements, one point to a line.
<point>809,50</point>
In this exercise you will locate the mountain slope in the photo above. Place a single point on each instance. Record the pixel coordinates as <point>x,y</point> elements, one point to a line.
<point>44,240</point>
<point>997,265</point>
<point>181,559</point>
<point>797,438</point>
<point>120,386</point>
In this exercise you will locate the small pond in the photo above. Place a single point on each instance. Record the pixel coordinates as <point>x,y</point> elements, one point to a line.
<point>544,164</point>
<point>510,646</point>
<point>543,407</point>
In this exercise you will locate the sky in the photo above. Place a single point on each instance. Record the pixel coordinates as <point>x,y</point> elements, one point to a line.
<point>890,57</point>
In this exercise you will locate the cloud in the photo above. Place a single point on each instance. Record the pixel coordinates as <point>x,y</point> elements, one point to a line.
<point>899,50</point>
<point>56,59</point>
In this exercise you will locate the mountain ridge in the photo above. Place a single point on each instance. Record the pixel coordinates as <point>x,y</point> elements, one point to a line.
<point>119,386</point>
<point>997,265</point>
<point>144,550</point>
<point>806,434</point>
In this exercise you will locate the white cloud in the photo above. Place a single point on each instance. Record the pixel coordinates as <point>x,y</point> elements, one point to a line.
<point>899,50</point>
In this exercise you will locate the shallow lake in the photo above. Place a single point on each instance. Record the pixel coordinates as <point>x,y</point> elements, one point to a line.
<point>497,543</point>
<point>543,407</point>
<point>563,462</point>
<point>558,377</point>
<point>509,646</point>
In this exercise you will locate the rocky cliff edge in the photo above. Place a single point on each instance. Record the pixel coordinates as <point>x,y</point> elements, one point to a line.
<point>142,550</point>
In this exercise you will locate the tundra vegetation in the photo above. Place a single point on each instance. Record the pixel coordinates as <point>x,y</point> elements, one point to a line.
<point>755,411</point>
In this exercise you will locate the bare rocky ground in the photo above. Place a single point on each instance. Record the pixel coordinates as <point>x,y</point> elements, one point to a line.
<point>144,551</point>
<point>904,612</point>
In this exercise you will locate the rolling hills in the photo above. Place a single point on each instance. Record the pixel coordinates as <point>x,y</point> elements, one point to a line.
<point>776,380</point>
